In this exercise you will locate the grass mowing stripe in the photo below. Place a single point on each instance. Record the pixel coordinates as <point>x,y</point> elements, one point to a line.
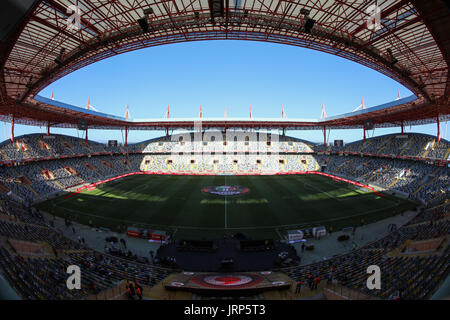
<point>168,191</point>
<point>177,202</point>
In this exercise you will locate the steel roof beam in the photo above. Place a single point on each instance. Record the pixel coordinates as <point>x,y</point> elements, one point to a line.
<point>61,9</point>
<point>59,30</point>
<point>383,15</point>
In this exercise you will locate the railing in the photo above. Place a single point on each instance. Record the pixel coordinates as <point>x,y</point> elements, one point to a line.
<point>339,292</point>
<point>114,293</point>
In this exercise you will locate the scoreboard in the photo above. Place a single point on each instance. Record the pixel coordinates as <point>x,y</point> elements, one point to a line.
<point>112,143</point>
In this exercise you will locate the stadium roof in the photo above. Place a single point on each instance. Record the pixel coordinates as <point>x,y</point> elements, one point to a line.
<point>44,44</point>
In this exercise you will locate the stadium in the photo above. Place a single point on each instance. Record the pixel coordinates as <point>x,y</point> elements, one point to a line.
<point>222,207</point>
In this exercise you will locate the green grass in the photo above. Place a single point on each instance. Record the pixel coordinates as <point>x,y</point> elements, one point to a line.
<point>273,205</point>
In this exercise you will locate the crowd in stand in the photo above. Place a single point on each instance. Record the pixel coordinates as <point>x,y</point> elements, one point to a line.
<point>414,277</point>
<point>431,214</point>
<point>224,142</point>
<point>37,179</point>
<point>44,277</point>
<point>415,232</point>
<point>41,146</point>
<point>33,180</point>
<point>417,179</point>
<point>238,163</point>
<point>36,146</point>
<point>409,145</point>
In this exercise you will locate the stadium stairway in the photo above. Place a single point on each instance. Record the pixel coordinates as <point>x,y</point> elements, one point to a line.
<point>367,145</point>
<point>447,154</point>
<point>5,156</point>
<point>4,243</point>
<point>25,150</point>
<point>418,189</point>
<point>59,184</point>
<point>46,253</point>
<point>428,251</point>
<point>380,173</point>
<point>368,176</point>
<point>159,292</point>
<point>305,165</point>
<point>90,147</point>
<point>305,292</point>
<point>354,173</point>
<point>48,248</point>
<point>393,183</point>
<point>28,185</point>
<point>47,148</point>
<point>339,166</point>
<point>118,292</point>
<point>372,174</point>
<point>406,146</point>
<point>427,150</point>
<point>430,181</point>
<point>87,145</point>
<point>385,145</point>
<point>439,198</point>
<point>68,144</point>
<point>52,178</point>
<point>339,292</point>
<point>110,166</point>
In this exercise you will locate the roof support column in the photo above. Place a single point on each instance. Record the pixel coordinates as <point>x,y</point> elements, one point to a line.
<point>48,128</point>
<point>402,127</point>
<point>284,132</point>
<point>87,133</point>
<point>324,136</point>
<point>364,132</point>
<point>126,136</point>
<point>438,129</point>
<point>12,128</point>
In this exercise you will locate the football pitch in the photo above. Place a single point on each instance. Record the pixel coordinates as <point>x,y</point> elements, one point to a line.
<point>272,205</point>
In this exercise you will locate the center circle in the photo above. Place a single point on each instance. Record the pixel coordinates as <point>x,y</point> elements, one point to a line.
<point>226,190</point>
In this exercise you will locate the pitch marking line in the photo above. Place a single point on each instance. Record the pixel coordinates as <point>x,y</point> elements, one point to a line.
<point>279,234</point>
<point>104,194</point>
<point>232,228</point>
<point>226,224</point>
<point>328,194</point>
<point>324,192</point>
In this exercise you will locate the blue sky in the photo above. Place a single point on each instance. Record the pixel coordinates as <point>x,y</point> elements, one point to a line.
<point>218,73</point>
